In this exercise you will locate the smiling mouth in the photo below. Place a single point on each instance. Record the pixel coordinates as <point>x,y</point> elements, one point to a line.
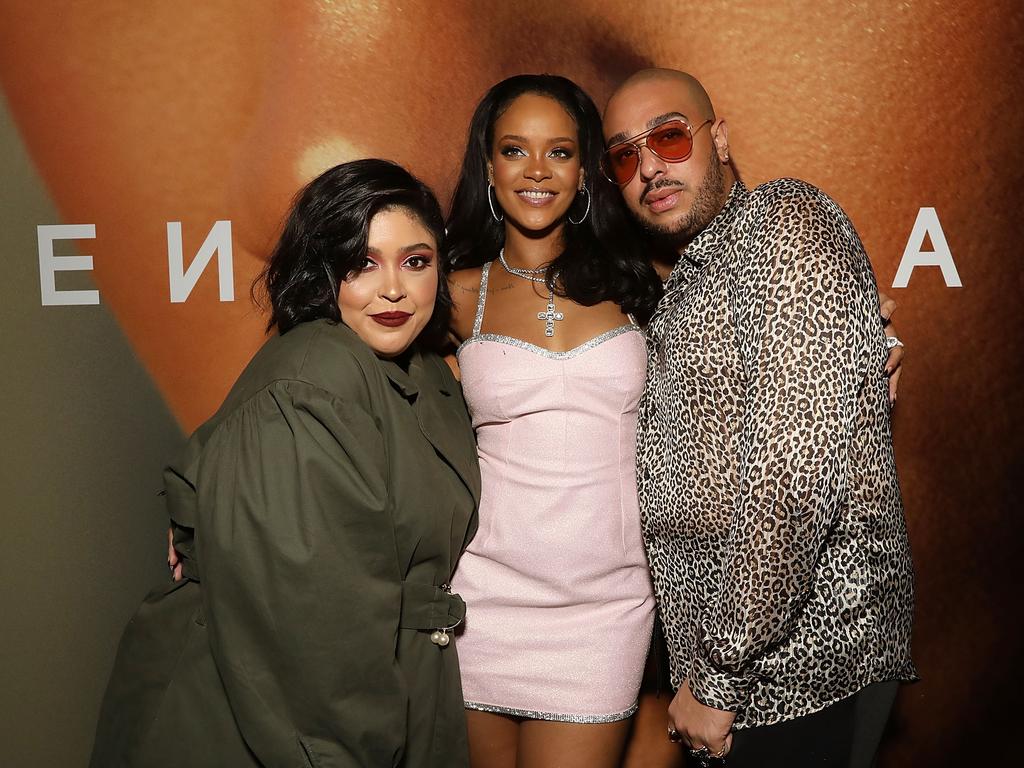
<point>391,319</point>
<point>536,197</point>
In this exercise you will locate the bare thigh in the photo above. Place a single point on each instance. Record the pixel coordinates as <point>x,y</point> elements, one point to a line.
<point>546,744</point>
<point>500,741</point>
<point>648,745</point>
<point>492,739</point>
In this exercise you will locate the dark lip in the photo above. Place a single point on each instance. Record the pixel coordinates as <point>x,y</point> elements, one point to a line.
<point>392,315</point>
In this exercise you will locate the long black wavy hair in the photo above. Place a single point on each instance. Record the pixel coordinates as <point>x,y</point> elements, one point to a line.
<point>604,258</point>
<point>325,239</point>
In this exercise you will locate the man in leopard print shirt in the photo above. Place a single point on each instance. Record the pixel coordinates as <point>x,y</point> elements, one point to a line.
<point>771,507</point>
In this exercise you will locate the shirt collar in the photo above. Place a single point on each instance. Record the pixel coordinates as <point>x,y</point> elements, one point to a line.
<point>406,382</point>
<point>706,245</point>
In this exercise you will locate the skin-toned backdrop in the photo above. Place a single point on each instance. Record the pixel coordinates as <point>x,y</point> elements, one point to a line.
<point>136,114</point>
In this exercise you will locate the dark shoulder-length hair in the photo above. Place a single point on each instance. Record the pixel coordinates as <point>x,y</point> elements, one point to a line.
<point>325,239</point>
<point>603,258</point>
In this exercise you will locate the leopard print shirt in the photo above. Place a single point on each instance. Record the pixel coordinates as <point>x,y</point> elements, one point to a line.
<point>771,507</point>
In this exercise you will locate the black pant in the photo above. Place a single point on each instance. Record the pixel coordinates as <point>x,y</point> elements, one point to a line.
<point>844,735</point>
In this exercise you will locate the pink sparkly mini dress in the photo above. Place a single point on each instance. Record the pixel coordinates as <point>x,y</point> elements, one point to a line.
<point>558,594</point>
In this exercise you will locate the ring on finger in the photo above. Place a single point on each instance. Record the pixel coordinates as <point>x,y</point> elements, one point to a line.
<point>703,758</point>
<point>674,736</point>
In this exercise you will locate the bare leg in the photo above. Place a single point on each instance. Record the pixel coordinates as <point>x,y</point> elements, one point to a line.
<point>547,744</point>
<point>649,746</point>
<point>492,739</point>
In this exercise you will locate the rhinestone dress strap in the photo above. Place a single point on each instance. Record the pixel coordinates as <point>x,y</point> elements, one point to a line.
<point>482,299</point>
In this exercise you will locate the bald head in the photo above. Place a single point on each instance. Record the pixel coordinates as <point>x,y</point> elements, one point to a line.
<point>682,84</point>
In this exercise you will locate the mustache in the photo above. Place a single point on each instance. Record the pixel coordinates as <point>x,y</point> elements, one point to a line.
<point>659,184</point>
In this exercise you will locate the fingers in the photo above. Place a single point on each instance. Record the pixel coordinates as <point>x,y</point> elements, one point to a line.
<point>172,553</point>
<point>703,730</point>
<point>894,369</point>
<point>719,747</point>
<point>706,756</point>
<point>709,746</point>
<point>173,558</point>
<point>894,383</point>
<point>886,306</point>
<point>895,359</point>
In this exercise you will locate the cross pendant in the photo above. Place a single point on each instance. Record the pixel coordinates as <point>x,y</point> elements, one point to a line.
<point>549,318</point>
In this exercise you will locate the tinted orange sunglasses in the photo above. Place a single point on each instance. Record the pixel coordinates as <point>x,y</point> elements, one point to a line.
<point>671,141</point>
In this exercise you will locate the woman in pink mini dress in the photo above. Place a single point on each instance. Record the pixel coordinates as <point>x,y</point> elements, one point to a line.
<point>549,283</point>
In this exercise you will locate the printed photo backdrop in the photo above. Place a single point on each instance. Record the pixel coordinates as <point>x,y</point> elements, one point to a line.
<point>150,149</point>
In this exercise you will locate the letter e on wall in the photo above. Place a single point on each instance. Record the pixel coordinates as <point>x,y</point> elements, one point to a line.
<point>50,265</point>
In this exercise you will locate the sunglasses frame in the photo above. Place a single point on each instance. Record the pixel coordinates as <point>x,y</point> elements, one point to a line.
<point>646,135</point>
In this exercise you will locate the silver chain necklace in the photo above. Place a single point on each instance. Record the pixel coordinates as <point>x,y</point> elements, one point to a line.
<point>549,316</point>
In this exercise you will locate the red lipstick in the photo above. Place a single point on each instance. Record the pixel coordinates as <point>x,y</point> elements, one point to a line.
<point>391,319</point>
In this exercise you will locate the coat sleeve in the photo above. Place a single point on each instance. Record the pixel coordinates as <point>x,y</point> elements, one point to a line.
<point>803,313</point>
<point>300,583</point>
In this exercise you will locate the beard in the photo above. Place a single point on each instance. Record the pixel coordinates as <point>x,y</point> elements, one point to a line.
<point>707,203</point>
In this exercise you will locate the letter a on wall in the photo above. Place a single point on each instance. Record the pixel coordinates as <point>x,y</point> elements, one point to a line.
<point>927,224</point>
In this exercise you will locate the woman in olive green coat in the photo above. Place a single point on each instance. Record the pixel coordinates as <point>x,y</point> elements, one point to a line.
<point>319,515</point>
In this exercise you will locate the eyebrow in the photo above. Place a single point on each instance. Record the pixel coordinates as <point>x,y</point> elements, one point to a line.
<point>654,122</point>
<point>404,248</point>
<point>524,140</point>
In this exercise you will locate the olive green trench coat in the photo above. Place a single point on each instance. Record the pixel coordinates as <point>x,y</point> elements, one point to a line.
<point>320,513</point>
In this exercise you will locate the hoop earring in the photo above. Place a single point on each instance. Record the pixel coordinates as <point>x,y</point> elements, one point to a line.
<point>491,204</point>
<point>584,216</point>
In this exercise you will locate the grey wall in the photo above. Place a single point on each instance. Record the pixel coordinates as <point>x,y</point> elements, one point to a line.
<point>83,438</point>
